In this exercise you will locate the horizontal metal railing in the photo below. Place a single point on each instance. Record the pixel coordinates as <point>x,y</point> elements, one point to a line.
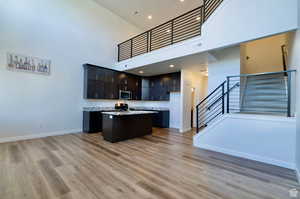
<point>181,28</point>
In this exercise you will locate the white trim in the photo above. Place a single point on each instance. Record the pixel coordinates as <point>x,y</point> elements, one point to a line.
<point>298,175</point>
<point>251,157</point>
<point>40,135</point>
<point>185,130</point>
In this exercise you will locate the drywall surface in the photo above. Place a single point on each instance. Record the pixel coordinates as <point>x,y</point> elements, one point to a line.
<point>294,63</point>
<point>268,139</point>
<point>227,63</point>
<point>69,33</point>
<point>193,89</point>
<point>263,55</point>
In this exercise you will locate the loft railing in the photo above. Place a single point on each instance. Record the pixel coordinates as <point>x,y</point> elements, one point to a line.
<point>181,28</point>
<point>262,93</point>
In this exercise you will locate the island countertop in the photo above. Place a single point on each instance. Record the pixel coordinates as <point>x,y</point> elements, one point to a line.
<point>129,113</point>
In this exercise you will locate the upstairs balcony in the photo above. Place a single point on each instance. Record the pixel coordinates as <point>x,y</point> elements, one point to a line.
<point>176,30</point>
<point>215,25</point>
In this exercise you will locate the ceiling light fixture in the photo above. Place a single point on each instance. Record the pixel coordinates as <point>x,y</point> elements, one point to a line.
<point>181,0</point>
<point>150,17</point>
<point>198,18</point>
<point>141,72</point>
<point>168,31</point>
<point>172,66</point>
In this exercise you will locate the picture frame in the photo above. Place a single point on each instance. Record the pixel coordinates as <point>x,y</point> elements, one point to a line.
<point>23,63</point>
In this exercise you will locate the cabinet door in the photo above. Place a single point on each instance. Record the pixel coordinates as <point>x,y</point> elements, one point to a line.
<point>152,90</point>
<point>134,85</point>
<point>175,82</point>
<point>123,81</point>
<point>138,89</point>
<point>110,85</point>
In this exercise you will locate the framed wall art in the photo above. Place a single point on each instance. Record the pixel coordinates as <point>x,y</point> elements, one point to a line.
<point>29,64</point>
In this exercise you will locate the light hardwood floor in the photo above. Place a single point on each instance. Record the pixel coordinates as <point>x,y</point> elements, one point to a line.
<point>164,165</point>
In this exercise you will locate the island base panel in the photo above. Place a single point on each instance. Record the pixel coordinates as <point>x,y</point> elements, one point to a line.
<point>120,128</point>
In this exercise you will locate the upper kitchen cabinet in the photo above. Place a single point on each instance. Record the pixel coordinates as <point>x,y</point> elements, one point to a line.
<point>174,83</point>
<point>93,83</point>
<point>100,83</point>
<point>135,86</point>
<point>111,87</point>
<point>123,81</point>
<point>103,83</point>
<point>159,87</point>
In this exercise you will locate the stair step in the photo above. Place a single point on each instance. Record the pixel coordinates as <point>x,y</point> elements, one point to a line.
<point>265,98</point>
<point>264,105</point>
<point>267,82</point>
<point>266,92</point>
<point>266,86</point>
<point>264,110</point>
<point>270,76</point>
<point>264,113</point>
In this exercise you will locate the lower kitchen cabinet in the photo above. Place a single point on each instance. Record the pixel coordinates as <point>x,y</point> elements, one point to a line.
<point>92,121</point>
<point>161,119</point>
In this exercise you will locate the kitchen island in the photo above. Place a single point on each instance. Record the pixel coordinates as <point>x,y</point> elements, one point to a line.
<point>119,126</point>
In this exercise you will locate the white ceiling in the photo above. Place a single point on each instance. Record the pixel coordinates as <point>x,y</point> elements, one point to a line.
<point>197,63</point>
<point>161,10</point>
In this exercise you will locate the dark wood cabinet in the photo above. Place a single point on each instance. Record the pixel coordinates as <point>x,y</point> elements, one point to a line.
<point>92,121</point>
<point>135,86</point>
<point>160,86</point>
<point>161,119</point>
<point>103,83</point>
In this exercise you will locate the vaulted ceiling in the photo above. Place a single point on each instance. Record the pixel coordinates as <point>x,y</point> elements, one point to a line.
<point>137,11</point>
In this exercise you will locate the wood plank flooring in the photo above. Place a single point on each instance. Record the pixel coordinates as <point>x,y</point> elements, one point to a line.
<point>164,165</point>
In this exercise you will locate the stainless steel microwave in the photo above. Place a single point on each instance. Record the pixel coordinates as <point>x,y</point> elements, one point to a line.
<point>125,95</point>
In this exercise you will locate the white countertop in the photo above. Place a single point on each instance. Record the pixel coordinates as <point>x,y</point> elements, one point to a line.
<point>130,113</point>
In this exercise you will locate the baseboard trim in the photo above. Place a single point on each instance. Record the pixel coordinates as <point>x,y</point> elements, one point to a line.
<point>40,135</point>
<point>266,160</point>
<point>185,130</point>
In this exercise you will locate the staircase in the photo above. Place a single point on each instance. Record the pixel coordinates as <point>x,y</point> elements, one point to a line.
<point>264,93</point>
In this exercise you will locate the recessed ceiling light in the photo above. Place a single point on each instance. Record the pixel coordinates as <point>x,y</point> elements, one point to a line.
<point>150,17</point>
<point>168,31</point>
<point>141,72</point>
<point>198,18</point>
<point>181,0</point>
<point>172,66</point>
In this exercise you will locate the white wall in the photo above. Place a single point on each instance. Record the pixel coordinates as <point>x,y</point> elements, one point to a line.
<point>69,33</point>
<point>268,139</point>
<point>233,23</point>
<point>227,63</point>
<point>264,55</point>
<point>191,79</point>
<point>294,63</point>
